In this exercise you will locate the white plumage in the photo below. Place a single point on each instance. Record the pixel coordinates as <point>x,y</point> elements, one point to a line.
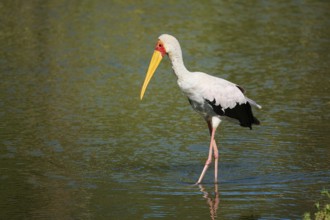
<point>213,97</point>
<point>198,86</point>
<point>202,86</point>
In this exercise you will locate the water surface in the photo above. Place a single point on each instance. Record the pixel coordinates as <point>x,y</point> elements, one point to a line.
<point>77,143</point>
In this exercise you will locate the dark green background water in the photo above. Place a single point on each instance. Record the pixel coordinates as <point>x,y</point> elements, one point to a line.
<point>77,143</point>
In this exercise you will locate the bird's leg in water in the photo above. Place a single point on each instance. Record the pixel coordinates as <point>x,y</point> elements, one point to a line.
<point>216,157</point>
<point>213,146</point>
<point>215,150</point>
<point>207,163</point>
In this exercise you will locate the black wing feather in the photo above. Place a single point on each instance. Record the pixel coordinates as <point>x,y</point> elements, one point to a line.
<point>241,112</point>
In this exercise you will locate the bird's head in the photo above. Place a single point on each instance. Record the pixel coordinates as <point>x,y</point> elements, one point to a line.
<point>166,44</point>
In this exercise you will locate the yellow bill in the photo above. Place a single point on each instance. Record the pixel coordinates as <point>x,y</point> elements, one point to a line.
<point>155,60</point>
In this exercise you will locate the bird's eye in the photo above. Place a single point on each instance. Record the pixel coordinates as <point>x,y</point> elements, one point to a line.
<point>159,45</point>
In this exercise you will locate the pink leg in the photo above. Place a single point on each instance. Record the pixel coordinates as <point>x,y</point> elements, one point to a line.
<point>216,152</point>
<point>209,159</point>
<point>216,156</point>
<point>207,164</point>
<point>213,146</point>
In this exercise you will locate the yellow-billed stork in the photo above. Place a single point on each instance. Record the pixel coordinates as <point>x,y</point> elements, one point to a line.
<point>214,98</point>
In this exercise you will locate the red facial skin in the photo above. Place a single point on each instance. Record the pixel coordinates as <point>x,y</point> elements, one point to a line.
<point>160,47</point>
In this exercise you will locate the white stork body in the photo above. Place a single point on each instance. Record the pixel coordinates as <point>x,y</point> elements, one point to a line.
<point>214,98</point>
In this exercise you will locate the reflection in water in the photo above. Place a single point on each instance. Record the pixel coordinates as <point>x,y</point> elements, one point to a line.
<point>212,201</point>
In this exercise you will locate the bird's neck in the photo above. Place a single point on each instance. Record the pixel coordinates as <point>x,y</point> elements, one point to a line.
<point>177,64</point>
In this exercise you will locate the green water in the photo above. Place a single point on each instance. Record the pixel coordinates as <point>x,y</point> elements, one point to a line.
<point>77,143</point>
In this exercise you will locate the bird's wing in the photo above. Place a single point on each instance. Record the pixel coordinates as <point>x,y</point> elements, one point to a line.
<point>220,91</point>
<point>202,87</point>
<point>253,103</point>
<point>224,97</point>
<point>248,99</point>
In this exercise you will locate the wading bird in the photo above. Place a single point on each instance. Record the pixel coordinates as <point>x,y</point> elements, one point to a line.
<point>214,98</point>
